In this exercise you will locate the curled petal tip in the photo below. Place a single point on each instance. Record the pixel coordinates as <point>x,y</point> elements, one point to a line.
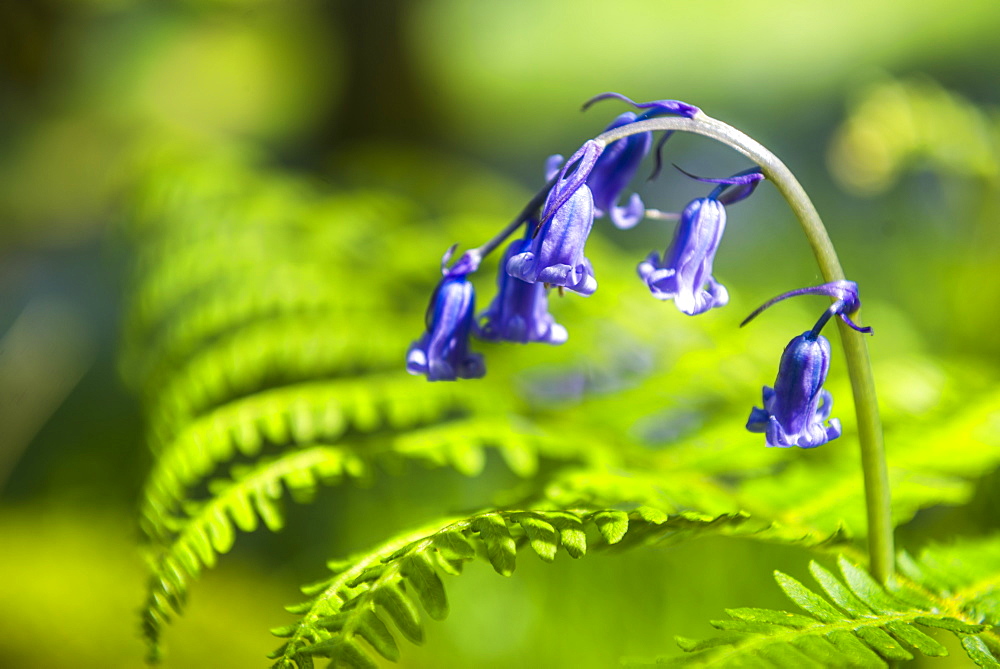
<point>605,96</point>
<point>654,108</point>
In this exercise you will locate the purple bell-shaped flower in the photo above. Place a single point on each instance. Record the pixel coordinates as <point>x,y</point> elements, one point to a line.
<point>684,273</point>
<point>614,170</point>
<point>796,408</point>
<point>555,254</point>
<point>520,310</point>
<point>442,353</point>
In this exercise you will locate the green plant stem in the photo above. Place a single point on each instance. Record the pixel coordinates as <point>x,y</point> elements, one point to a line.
<point>873,462</point>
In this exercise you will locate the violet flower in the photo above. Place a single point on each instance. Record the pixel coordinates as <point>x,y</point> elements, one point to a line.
<point>555,253</point>
<point>684,274</point>
<point>519,312</point>
<point>796,408</point>
<point>442,353</point>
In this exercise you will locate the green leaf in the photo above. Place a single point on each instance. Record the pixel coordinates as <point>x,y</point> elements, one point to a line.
<point>454,545</point>
<point>373,630</point>
<point>950,624</point>
<point>917,639</point>
<point>807,599</point>
<point>572,536</point>
<point>841,596</point>
<point>612,525</point>
<point>402,612</point>
<point>771,617</point>
<point>500,546</point>
<point>979,652</point>
<point>541,535</point>
<point>420,574</point>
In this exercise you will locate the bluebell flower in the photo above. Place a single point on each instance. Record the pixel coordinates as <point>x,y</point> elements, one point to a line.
<point>519,312</point>
<point>684,273</point>
<point>442,353</point>
<point>796,408</point>
<point>555,254</point>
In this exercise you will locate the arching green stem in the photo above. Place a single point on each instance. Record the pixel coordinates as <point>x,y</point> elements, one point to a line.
<point>880,544</point>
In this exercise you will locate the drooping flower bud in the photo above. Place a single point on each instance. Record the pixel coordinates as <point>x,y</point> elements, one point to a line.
<point>796,408</point>
<point>684,274</point>
<point>442,353</point>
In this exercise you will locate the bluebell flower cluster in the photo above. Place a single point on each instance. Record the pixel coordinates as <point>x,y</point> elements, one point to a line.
<point>588,186</point>
<point>797,408</point>
<point>591,185</point>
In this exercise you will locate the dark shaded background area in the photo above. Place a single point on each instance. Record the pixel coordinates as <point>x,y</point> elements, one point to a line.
<point>911,202</point>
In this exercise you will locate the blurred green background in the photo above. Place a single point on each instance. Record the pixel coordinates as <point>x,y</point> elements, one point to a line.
<point>884,109</point>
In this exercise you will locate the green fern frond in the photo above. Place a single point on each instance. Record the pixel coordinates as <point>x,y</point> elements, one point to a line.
<point>345,617</point>
<point>302,413</point>
<point>176,267</point>
<point>858,623</point>
<point>284,349</point>
<point>225,306</point>
<point>208,529</point>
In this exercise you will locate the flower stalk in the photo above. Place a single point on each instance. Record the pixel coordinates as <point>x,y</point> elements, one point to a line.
<point>873,461</point>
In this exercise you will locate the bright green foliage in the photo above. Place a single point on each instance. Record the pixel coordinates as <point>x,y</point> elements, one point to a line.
<point>967,571</point>
<point>369,590</point>
<point>857,622</point>
<point>266,336</point>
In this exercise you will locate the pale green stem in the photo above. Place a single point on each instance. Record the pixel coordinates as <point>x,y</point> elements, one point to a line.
<point>873,463</point>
